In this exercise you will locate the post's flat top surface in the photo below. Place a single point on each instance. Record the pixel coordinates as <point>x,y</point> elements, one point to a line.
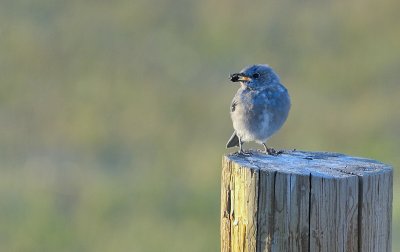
<point>321,164</point>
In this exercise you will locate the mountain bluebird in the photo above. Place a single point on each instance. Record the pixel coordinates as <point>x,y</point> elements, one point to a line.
<point>259,108</point>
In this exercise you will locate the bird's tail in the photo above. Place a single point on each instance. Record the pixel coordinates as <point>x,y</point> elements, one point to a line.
<point>233,141</point>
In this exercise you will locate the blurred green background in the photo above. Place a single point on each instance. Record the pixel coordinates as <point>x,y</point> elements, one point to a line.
<point>114,114</point>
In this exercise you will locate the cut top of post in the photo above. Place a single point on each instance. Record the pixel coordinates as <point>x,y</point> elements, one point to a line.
<point>305,201</point>
<point>320,164</point>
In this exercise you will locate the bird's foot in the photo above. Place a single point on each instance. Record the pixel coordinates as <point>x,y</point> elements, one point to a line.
<point>242,153</point>
<point>273,152</point>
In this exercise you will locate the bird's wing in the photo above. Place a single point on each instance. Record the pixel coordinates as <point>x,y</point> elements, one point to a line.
<point>233,141</point>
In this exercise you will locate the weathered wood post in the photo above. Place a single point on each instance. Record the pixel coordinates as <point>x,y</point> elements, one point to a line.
<point>305,201</point>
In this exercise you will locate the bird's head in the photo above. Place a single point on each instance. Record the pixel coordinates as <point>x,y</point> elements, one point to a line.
<point>255,76</point>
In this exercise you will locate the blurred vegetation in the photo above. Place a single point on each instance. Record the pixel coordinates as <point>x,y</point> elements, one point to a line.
<point>114,114</point>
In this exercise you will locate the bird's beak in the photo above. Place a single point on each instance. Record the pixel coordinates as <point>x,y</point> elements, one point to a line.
<point>236,77</point>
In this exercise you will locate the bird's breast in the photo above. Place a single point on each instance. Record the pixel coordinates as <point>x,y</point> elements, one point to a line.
<point>259,114</point>
<point>251,119</point>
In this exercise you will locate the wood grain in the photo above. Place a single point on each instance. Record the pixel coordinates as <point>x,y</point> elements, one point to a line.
<point>305,201</point>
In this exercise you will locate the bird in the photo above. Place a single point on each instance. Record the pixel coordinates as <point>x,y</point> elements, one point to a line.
<point>259,108</point>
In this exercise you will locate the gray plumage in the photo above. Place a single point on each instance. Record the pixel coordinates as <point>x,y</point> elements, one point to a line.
<point>259,108</point>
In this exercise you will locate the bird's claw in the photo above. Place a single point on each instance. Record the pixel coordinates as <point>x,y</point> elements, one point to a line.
<point>273,152</point>
<point>242,153</point>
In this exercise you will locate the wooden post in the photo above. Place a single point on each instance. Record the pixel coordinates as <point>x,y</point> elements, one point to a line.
<point>305,201</point>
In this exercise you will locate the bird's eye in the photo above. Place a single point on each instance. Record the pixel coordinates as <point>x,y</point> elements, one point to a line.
<point>256,75</point>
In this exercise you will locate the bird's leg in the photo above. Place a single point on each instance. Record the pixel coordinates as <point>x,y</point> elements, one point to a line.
<point>271,151</point>
<point>241,152</point>
<point>265,148</point>
<point>240,146</point>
